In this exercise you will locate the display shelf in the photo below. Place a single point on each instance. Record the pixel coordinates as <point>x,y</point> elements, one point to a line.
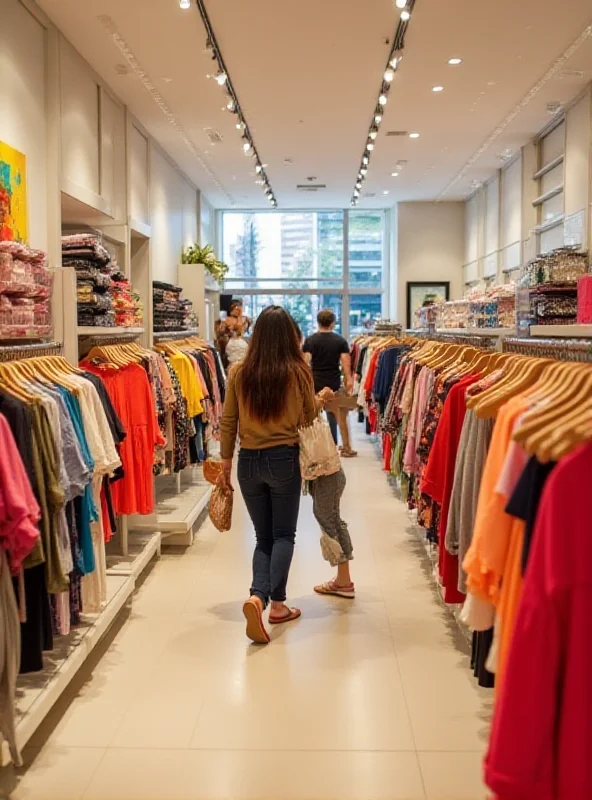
<point>485,332</point>
<point>562,331</point>
<point>97,330</point>
<point>142,548</point>
<point>178,507</point>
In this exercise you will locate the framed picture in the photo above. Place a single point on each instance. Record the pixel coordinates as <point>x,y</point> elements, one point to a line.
<point>423,293</point>
<point>13,195</point>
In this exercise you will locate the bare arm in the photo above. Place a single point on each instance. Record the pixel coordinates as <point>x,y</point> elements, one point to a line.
<point>346,366</point>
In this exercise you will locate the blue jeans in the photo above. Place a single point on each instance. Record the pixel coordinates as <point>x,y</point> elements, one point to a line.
<point>332,420</point>
<point>270,483</point>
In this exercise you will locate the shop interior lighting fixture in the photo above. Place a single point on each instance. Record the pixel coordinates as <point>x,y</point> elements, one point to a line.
<point>184,4</point>
<point>454,62</point>
<point>388,81</point>
<point>437,88</point>
<point>414,135</point>
<point>224,80</point>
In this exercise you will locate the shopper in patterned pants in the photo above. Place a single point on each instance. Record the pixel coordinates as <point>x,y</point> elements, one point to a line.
<point>336,543</point>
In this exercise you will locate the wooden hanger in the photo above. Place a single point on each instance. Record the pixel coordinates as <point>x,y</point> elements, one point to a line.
<point>527,373</point>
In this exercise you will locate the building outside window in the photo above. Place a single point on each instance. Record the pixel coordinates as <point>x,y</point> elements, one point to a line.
<point>306,261</point>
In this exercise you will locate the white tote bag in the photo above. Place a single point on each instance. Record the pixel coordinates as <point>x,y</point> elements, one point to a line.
<point>318,452</point>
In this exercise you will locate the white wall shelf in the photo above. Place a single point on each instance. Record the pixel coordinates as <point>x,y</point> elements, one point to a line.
<point>562,331</point>
<point>97,330</point>
<point>485,332</point>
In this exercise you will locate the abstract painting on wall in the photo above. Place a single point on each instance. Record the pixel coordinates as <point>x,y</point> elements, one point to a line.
<point>13,194</point>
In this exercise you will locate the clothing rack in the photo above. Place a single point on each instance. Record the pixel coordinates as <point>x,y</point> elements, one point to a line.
<point>484,342</point>
<point>562,350</point>
<point>114,338</point>
<point>164,336</point>
<point>17,352</point>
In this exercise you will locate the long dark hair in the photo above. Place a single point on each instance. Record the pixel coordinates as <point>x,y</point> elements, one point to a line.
<point>273,360</point>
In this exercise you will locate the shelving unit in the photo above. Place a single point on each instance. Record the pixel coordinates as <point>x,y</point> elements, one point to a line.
<point>486,332</point>
<point>204,292</point>
<point>562,331</point>
<point>89,330</point>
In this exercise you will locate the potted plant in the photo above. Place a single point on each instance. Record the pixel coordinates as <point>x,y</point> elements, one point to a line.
<point>205,256</point>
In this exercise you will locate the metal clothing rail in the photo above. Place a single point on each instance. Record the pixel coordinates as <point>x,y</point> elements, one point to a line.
<point>484,342</point>
<point>16,352</point>
<point>105,338</point>
<point>559,349</point>
<point>163,336</point>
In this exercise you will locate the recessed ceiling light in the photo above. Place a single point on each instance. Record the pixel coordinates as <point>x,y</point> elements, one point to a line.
<point>454,61</point>
<point>437,88</point>
<point>184,3</point>
<point>414,135</point>
<point>389,75</point>
<point>395,174</point>
<point>400,3</point>
<point>386,191</point>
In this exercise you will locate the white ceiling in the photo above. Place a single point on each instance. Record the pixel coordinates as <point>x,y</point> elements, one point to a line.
<point>307,75</point>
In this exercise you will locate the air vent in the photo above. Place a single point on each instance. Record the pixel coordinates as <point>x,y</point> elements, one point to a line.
<point>310,187</point>
<point>396,133</point>
<point>121,69</point>
<point>213,135</point>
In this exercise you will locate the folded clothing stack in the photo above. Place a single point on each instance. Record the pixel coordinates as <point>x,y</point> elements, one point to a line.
<point>25,289</point>
<point>170,311</point>
<point>94,278</point>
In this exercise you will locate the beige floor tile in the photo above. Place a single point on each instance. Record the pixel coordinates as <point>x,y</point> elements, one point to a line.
<point>453,776</point>
<point>262,775</point>
<point>58,773</point>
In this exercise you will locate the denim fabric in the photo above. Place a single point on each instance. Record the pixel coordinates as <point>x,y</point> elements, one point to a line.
<point>270,483</point>
<point>332,420</point>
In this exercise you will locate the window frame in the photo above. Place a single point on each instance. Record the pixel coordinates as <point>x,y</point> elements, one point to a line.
<point>344,290</point>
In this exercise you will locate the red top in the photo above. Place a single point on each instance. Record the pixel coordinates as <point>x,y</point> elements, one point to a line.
<point>541,740</point>
<point>438,478</point>
<point>133,400</point>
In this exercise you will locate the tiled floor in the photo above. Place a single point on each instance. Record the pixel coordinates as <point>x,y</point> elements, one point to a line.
<point>370,700</point>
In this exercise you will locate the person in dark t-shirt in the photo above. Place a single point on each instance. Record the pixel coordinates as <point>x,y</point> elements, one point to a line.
<point>328,353</point>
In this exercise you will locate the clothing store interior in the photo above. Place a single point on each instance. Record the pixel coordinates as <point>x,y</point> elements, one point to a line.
<point>295,400</point>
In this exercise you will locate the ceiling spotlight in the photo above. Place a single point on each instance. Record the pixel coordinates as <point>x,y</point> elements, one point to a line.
<point>356,193</point>
<point>386,191</point>
<point>396,61</point>
<point>247,147</point>
<point>370,146</point>
<point>389,75</point>
<point>395,174</point>
<point>365,160</point>
<point>378,118</point>
<point>373,135</point>
<point>437,88</point>
<point>184,4</point>
<point>400,3</point>
<point>383,100</point>
<point>258,168</point>
<point>221,78</point>
<point>364,171</point>
<point>230,105</point>
<point>405,16</point>
<point>454,61</point>
<point>240,126</point>
<point>359,185</point>
<point>414,135</point>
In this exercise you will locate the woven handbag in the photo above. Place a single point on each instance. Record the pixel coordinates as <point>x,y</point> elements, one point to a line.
<point>221,508</point>
<point>212,470</point>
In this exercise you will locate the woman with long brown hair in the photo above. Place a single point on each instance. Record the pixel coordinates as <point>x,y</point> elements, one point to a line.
<point>269,395</point>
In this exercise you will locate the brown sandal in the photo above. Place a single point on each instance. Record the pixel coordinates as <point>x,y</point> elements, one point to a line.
<point>253,612</point>
<point>294,614</point>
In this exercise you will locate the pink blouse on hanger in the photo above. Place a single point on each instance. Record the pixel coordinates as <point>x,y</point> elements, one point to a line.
<point>19,512</point>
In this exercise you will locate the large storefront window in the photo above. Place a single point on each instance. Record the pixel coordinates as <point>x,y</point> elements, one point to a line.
<point>301,260</point>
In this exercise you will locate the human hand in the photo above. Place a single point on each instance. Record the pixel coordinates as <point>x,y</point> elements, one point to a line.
<point>225,479</point>
<point>325,394</point>
<point>349,385</point>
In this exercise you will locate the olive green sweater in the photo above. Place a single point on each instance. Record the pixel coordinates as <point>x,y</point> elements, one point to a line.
<point>256,435</point>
